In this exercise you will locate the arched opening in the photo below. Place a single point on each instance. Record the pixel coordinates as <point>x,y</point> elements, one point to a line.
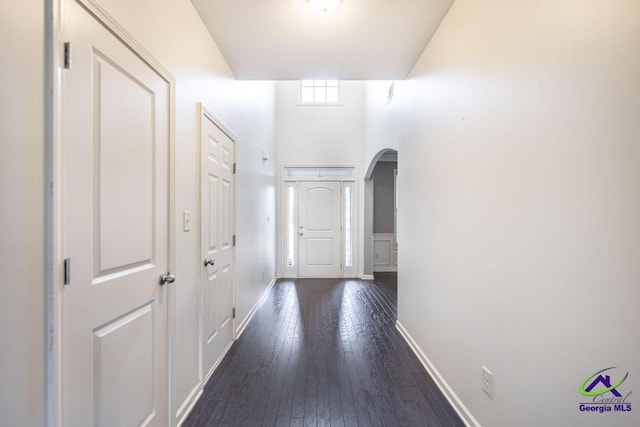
<point>380,213</point>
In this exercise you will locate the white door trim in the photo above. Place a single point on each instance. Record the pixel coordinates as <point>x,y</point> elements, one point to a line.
<point>384,254</point>
<point>204,111</point>
<point>54,272</point>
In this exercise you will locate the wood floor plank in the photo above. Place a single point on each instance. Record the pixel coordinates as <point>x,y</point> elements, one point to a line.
<point>323,352</point>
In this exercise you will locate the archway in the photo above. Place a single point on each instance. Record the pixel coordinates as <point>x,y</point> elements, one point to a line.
<point>379,240</point>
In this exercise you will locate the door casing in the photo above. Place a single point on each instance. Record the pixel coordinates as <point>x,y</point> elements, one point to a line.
<point>287,181</point>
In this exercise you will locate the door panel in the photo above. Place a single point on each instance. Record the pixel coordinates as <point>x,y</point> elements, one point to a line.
<point>123,349</point>
<point>123,159</point>
<point>319,229</point>
<point>212,284</point>
<point>226,207</point>
<point>212,215</point>
<point>319,251</point>
<point>115,186</point>
<point>217,234</point>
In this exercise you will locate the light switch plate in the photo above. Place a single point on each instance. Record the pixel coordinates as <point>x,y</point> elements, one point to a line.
<point>186,221</point>
<point>487,381</point>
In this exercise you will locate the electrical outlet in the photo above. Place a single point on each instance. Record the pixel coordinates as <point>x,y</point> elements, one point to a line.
<point>487,381</point>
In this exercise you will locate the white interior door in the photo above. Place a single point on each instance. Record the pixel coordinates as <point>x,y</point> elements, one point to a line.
<point>217,238</point>
<point>115,187</point>
<point>319,229</point>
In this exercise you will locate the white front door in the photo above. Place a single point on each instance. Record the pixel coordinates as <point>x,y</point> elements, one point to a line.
<point>114,219</point>
<point>319,229</point>
<point>217,239</point>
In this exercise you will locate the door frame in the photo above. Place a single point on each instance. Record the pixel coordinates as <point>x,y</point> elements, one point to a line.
<point>54,164</point>
<point>207,114</point>
<point>287,181</point>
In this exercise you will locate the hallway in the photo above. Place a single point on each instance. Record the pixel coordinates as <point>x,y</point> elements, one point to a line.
<point>323,352</point>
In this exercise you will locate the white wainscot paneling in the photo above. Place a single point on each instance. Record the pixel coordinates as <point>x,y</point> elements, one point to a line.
<point>385,255</point>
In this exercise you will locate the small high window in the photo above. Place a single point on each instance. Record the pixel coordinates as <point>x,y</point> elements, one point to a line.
<point>320,92</point>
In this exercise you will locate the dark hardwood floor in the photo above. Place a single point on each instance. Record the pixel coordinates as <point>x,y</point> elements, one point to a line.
<point>323,352</point>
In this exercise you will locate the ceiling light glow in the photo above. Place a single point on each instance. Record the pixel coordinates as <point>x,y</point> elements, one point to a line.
<point>324,6</point>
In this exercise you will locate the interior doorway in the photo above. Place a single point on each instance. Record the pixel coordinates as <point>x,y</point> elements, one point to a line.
<point>381,207</point>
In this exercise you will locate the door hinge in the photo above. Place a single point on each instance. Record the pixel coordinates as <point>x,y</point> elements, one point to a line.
<point>67,271</point>
<point>67,55</point>
<point>233,312</point>
<point>234,168</point>
<point>234,240</point>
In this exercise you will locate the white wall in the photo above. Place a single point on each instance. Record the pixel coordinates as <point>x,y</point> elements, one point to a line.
<point>520,205</point>
<point>383,122</point>
<point>253,122</point>
<point>22,193</point>
<point>320,135</point>
<point>317,135</point>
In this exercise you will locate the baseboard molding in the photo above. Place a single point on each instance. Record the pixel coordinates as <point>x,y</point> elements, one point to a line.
<point>453,399</point>
<point>366,277</point>
<point>243,325</point>
<point>344,276</point>
<point>386,270</point>
<point>200,388</point>
<point>183,412</point>
<point>215,365</point>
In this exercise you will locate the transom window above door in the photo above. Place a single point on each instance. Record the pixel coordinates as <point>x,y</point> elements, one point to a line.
<point>318,174</point>
<point>320,92</point>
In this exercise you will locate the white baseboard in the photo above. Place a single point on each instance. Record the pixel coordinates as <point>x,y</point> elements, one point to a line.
<point>183,412</point>
<point>366,276</point>
<point>243,325</point>
<point>215,365</point>
<point>453,399</point>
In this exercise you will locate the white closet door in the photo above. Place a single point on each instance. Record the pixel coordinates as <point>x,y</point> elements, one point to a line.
<point>217,238</point>
<point>115,148</point>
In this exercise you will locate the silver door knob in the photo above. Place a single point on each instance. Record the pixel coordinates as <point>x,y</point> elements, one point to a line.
<point>209,261</point>
<point>301,233</point>
<point>167,278</point>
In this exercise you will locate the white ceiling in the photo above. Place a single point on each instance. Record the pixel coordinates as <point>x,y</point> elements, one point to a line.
<point>287,40</point>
